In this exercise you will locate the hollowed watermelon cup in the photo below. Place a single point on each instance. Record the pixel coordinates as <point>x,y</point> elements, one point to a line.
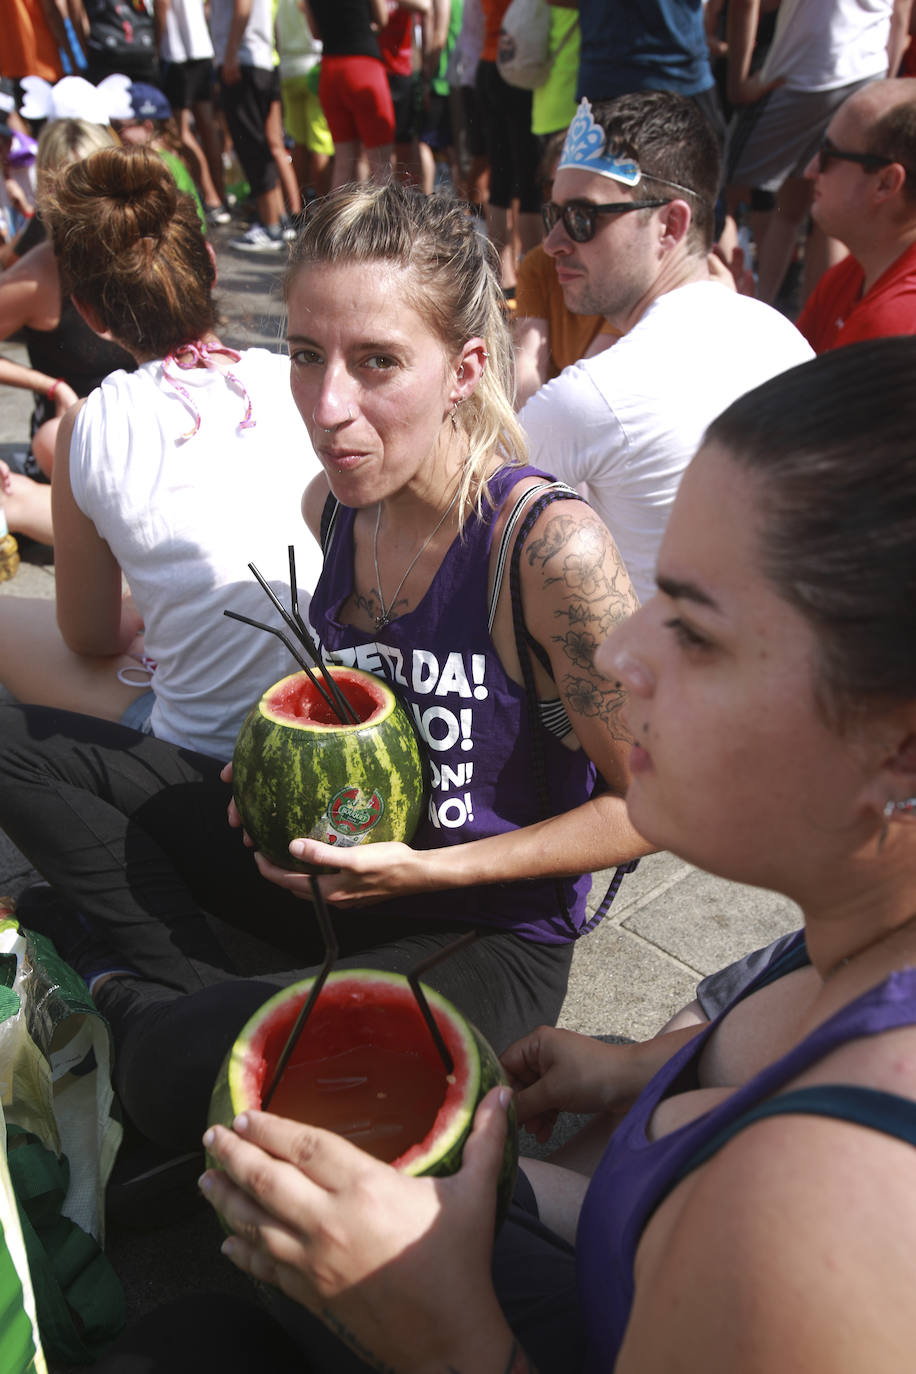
<point>366,1067</point>
<point>298,772</point>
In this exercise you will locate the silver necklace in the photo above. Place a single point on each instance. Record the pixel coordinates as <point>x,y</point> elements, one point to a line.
<point>384,618</point>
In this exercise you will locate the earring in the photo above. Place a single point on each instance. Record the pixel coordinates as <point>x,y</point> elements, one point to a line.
<point>461,373</point>
<point>891,809</point>
<point>453,414</point>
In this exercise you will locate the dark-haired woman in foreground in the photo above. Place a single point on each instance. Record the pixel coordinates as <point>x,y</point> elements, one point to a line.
<point>754,1209</point>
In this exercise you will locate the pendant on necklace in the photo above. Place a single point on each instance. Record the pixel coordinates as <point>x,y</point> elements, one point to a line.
<point>382,620</point>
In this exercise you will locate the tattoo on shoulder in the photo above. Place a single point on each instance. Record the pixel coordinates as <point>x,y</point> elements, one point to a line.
<point>582,563</point>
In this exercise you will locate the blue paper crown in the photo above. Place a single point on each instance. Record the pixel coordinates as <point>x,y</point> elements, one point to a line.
<point>585,150</point>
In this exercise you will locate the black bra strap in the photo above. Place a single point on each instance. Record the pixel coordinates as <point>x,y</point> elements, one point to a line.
<point>880,1111</point>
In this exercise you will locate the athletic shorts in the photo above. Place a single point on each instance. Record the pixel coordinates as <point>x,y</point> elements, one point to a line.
<point>188,83</point>
<point>436,126</point>
<point>407,99</point>
<point>303,116</point>
<point>505,113</point>
<point>356,100</point>
<point>777,137</point>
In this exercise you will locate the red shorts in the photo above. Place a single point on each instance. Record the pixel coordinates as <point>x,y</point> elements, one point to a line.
<point>356,100</point>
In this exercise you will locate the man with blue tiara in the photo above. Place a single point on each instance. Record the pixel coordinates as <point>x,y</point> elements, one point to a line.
<point>630,228</point>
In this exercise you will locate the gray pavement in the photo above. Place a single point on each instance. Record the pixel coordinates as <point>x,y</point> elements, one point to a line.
<point>669,926</point>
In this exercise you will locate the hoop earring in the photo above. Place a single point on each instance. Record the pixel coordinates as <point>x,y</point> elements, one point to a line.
<point>453,414</point>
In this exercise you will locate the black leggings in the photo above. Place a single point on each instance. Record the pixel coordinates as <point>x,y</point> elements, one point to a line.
<point>133,832</point>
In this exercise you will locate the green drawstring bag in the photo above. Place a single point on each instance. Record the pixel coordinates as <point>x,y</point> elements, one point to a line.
<point>62,1139</point>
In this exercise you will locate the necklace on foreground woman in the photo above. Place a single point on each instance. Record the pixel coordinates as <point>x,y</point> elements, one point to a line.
<point>386,612</point>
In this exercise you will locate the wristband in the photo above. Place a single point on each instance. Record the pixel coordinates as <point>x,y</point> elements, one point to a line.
<point>51,389</point>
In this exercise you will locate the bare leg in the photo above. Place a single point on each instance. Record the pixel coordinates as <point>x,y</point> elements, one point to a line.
<point>210,141</point>
<point>320,169</point>
<point>379,163</point>
<point>498,234</point>
<point>270,207</point>
<point>288,182</point>
<point>204,179</point>
<point>792,204</point>
<point>26,505</point>
<point>38,668</point>
<point>345,160</point>
<point>559,1194</point>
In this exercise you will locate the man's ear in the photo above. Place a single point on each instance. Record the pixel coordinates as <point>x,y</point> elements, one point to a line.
<point>675,219</point>
<point>889,181</point>
<point>89,315</point>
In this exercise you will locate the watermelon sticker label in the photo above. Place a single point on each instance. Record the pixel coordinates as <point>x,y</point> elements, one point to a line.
<point>351,814</point>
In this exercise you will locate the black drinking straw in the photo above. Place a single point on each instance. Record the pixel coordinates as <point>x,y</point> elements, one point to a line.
<point>343,707</point>
<point>272,630</point>
<point>330,943</point>
<point>413,979</point>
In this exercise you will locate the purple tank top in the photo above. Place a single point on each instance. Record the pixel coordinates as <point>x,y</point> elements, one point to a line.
<point>636,1174</point>
<point>472,719</point>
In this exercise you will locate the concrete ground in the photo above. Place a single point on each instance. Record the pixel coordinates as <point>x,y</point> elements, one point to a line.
<point>669,926</point>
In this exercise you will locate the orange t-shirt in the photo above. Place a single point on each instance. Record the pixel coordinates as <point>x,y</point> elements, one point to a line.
<point>538,294</point>
<point>27,47</point>
<point>493,11</point>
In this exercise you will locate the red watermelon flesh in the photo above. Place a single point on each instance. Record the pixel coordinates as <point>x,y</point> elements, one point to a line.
<point>366,1066</point>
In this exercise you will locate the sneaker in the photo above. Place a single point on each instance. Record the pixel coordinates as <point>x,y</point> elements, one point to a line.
<point>259,240</point>
<point>218,214</point>
<point>78,943</point>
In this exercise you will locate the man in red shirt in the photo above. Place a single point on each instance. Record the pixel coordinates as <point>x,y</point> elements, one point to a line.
<point>865,195</point>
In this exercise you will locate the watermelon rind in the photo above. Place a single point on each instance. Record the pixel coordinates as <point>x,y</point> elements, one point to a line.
<point>242,1077</point>
<point>342,784</point>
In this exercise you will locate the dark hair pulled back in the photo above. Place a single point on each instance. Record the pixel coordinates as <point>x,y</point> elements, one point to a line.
<point>129,245</point>
<point>833,443</point>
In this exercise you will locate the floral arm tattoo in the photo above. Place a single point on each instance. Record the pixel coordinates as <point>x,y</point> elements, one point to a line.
<point>581,560</point>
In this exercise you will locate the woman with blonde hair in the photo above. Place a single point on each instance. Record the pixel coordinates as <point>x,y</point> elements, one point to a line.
<point>474,585</point>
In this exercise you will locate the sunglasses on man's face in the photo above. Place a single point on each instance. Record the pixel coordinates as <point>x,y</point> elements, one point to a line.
<point>578,216</point>
<point>829,152</point>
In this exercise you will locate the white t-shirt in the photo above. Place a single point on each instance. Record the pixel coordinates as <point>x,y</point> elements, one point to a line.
<point>257,46</point>
<point>628,421</point>
<point>185,516</point>
<point>185,36</point>
<point>821,45</point>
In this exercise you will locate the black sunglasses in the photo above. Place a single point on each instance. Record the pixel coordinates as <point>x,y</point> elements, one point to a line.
<point>829,152</point>
<point>578,216</point>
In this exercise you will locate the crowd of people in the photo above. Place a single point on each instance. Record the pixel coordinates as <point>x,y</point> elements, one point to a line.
<point>648,544</point>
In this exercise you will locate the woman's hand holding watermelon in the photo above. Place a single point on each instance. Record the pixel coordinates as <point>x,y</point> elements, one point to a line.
<point>554,1070</point>
<point>362,874</point>
<point>398,1267</point>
